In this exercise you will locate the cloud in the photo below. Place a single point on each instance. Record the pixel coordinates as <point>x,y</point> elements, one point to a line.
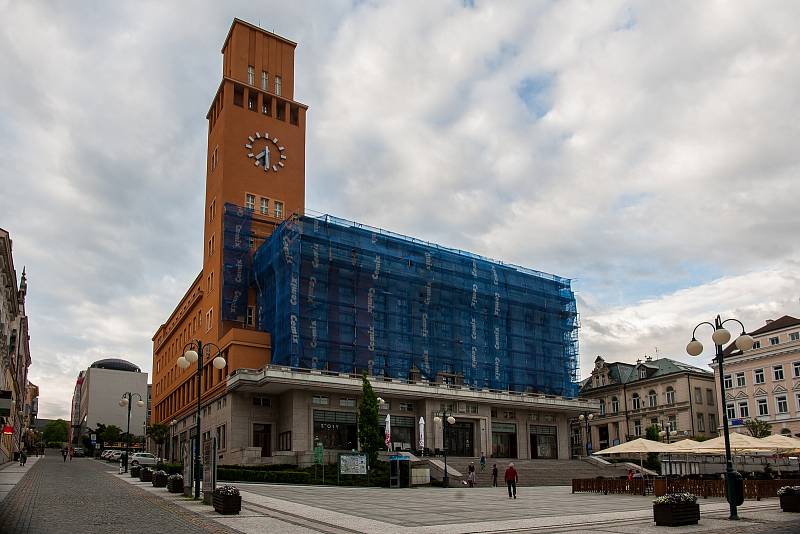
<point>645,150</point>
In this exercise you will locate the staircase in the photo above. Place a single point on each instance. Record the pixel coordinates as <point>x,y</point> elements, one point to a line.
<point>531,472</point>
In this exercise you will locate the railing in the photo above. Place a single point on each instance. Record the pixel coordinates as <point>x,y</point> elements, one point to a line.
<point>753,489</point>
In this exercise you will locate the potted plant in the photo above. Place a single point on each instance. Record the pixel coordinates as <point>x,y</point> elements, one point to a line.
<point>175,483</point>
<point>134,471</point>
<point>159,479</point>
<point>227,500</point>
<point>790,498</point>
<point>676,509</point>
<point>146,474</point>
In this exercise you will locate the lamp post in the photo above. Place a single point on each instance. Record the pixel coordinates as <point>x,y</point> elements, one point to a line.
<point>694,348</point>
<point>127,400</point>
<point>446,420</point>
<point>190,355</point>
<point>666,432</point>
<point>171,439</point>
<point>587,417</point>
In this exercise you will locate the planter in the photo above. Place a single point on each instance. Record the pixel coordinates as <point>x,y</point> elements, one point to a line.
<point>790,503</point>
<point>227,504</point>
<point>175,486</point>
<point>677,514</point>
<point>134,471</point>
<point>160,481</point>
<point>145,475</point>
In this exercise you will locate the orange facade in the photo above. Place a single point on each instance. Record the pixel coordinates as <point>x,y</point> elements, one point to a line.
<point>256,158</point>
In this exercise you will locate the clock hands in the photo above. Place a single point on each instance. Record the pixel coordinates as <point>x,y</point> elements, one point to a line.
<point>262,159</point>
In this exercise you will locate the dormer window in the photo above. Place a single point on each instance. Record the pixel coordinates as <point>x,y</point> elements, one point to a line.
<point>642,372</point>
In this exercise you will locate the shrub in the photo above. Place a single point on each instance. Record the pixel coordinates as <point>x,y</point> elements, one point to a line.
<point>676,498</point>
<point>175,478</point>
<point>788,490</point>
<point>172,469</point>
<point>226,490</point>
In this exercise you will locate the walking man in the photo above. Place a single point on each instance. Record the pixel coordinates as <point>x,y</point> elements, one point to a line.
<point>494,475</point>
<point>64,453</point>
<point>511,480</point>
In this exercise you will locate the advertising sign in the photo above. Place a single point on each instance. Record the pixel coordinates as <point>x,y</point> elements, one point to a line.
<point>352,464</point>
<point>318,453</point>
<point>8,429</point>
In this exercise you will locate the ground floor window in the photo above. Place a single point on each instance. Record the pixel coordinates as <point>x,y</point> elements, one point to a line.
<point>402,428</point>
<point>336,430</point>
<point>262,437</point>
<point>544,441</point>
<point>504,440</point>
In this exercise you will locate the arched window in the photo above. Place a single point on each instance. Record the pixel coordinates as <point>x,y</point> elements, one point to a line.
<point>602,406</point>
<point>652,399</point>
<point>636,401</point>
<point>614,405</point>
<point>670,395</point>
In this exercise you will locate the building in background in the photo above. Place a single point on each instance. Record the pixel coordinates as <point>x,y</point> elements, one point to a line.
<point>300,306</point>
<point>764,382</point>
<point>15,357</point>
<point>98,391</point>
<point>661,392</point>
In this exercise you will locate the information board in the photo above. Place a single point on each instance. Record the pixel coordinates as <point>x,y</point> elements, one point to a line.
<point>318,454</point>
<point>352,464</point>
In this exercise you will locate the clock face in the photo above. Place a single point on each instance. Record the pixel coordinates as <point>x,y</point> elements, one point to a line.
<point>267,153</point>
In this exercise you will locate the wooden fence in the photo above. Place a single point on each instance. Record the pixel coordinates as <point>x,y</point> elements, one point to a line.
<point>753,489</point>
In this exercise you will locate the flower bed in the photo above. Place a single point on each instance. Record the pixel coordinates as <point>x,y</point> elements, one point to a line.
<point>676,509</point>
<point>790,498</point>
<point>227,500</point>
<point>175,484</point>
<point>159,479</point>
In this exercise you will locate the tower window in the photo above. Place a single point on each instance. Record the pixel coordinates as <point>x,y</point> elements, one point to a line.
<point>278,209</point>
<point>280,109</point>
<point>250,201</point>
<point>294,115</point>
<point>278,85</point>
<point>251,314</point>
<point>238,95</point>
<point>252,100</point>
<point>251,75</point>
<point>264,80</point>
<point>264,206</point>
<point>266,106</point>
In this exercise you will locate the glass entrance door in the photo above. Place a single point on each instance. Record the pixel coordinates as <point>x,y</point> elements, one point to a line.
<point>544,443</point>
<point>262,437</point>
<point>459,439</point>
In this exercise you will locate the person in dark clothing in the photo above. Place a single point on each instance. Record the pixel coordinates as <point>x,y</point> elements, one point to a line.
<point>494,475</point>
<point>64,453</point>
<point>512,478</point>
<point>471,475</point>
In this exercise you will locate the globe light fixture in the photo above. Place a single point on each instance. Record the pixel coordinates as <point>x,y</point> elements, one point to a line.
<point>183,363</point>
<point>219,362</point>
<point>720,336</point>
<point>124,401</point>
<point>190,355</point>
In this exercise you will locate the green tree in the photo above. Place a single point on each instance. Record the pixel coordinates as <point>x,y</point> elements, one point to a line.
<point>110,434</point>
<point>55,431</point>
<point>369,429</point>
<point>652,462</point>
<point>158,432</point>
<point>758,428</point>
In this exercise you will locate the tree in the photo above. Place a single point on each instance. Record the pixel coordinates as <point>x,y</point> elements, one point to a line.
<point>758,428</point>
<point>55,431</point>
<point>158,432</point>
<point>110,434</point>
<point>652,462</point>
<point>369,429</point>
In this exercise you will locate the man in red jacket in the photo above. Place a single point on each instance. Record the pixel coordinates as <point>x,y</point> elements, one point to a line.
<point>511,480</point>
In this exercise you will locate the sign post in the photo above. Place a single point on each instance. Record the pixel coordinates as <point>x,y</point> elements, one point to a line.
<point>351,463</point>
<point>319,455</point>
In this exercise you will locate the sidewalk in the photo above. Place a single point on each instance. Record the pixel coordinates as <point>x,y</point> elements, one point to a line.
<point>11,473</point>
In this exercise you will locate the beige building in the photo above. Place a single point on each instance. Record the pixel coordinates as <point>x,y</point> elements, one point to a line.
<point>764,382</point>
<point>661,392</point>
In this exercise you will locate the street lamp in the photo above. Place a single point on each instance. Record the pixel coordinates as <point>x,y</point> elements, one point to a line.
<point>171,439</point>
<point>694,348</point>
<point>127,400</point>
<point>587,417</point>
<point>190,355</point>
<point>666,434</point>
<point>446,420</point>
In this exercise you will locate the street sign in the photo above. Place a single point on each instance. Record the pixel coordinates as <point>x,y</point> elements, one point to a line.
<point>318,454</point>
<point>93,437</point>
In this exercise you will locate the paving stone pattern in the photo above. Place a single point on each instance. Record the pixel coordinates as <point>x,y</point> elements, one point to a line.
<point>84,496</point>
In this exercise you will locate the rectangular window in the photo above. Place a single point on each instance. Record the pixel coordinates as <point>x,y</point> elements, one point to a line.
<point>252,100</point>
<point>251,315</point>
<point>744,409</point>
<point>251,75</point>
<point>698,396</point>
<point>347,403</point>
<point>264,206</point>
<point>320,400</point>
<point>794,336</point>
<point>758,376</point>
<point>264,402</point>
<point>756,344</point>
<point>730,411</point>
<point>637,428</point>
<point>209,319</point>
<point>763,408</point>
<point>673,423</point>
<point>280,110</point>
<point>250,201</point>
<point>797,398</point>
<point>774,340</point>
<point>670,396</point>
<point>238,95</point>
<point>636,403</point>
<point>740,380</point>
<point>278,85</point>
<point>278,209</point>
<point>796,369</point>
<point>728,382</point>
<point>294,115</point>
<point>781,404</point>
<point>264,80</point>
<point>712,422</point>
<point>266,105</point>
<point>710,397</point>
<point>701,423</point>
<point>211,243</point>
<point>406,406</point>
<point>777,372</point>
<point>212,210</point>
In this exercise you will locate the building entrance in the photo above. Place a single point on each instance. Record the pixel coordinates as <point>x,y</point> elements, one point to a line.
<point>504,440</point>
<point>262,437</point>
<point>460,439</point>
<point>544,442</point>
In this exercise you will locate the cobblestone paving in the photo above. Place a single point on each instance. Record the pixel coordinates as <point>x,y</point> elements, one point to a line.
<point>84,496</point>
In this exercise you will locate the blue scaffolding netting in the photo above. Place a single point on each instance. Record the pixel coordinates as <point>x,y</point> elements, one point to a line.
<point>236,262</point>
<point>345,297</point>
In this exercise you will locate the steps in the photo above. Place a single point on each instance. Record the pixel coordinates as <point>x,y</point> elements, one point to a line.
<point>531,472</point>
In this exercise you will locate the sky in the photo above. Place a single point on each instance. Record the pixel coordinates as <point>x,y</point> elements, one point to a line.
<point>646,150</point>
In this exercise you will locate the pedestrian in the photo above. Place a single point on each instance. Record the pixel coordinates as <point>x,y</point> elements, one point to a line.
<point>471,475</point>
<point>483,461</point>
<point>494,475</point>
<point>64,453</point>
<point>630,475</point>
<point>512,478</point>
<point>22,458</point>
<point>71,453</point>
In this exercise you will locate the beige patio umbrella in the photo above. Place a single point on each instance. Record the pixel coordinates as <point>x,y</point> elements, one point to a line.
<point>684,446</point>
<point>739,443</point>
<point>638,446</point>
<point>781,443</point>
